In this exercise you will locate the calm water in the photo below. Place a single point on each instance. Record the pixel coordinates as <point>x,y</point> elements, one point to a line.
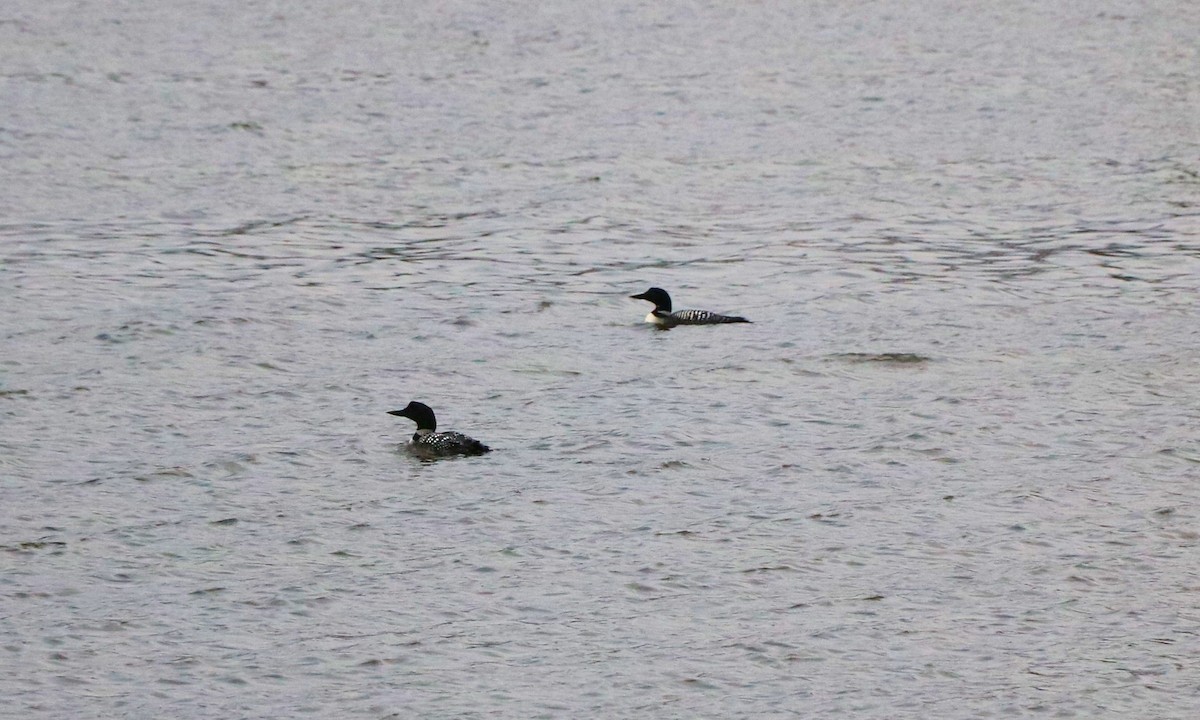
<point>950,471</point>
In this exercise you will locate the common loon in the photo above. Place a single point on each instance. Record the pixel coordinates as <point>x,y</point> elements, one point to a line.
<point>437,444</point>
<point>662,316</point>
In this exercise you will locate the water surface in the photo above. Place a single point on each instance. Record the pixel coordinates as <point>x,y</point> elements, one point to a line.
<point>949,471</point>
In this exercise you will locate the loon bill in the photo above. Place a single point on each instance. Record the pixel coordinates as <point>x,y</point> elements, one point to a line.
<point>662,316</point>
<point>437,444</point>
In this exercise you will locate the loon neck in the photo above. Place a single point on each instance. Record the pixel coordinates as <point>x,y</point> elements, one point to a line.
<point>658,317</point>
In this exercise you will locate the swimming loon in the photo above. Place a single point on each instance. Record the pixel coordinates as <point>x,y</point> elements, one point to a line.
<point>437,444</point>
<point>662,316</point>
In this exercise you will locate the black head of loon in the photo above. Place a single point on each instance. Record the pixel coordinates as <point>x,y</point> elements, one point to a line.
<point>658,296</point>
<point>430,444</point>
<point>420,413</point>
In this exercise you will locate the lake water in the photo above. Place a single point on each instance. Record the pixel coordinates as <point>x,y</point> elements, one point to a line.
<point>951,471</point>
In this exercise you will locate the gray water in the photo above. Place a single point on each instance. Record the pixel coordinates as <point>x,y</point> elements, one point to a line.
<point>950,471</point>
